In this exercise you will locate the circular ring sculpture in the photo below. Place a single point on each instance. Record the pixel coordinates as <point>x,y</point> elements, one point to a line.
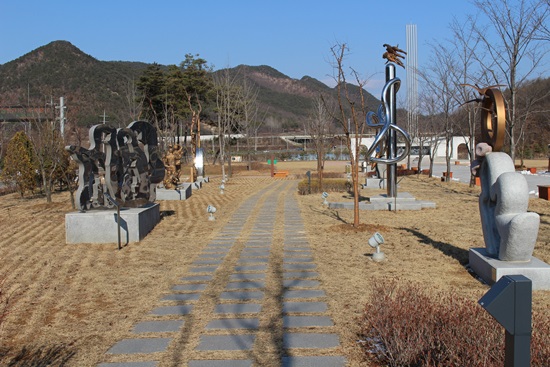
<point>493,118</point>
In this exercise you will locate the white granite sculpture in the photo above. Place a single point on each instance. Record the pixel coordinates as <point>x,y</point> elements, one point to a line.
<point>509,231</point>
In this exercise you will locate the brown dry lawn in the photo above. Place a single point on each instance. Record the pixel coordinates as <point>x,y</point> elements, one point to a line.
<point>73,302</point>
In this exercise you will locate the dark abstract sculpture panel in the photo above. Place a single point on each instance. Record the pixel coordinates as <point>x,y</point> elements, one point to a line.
<point>121,164</point>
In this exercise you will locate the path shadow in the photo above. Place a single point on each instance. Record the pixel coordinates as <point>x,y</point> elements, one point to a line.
<point>37,356</point>
<point>456,253</point>
<point>330,213</point>
<point>166,213</point>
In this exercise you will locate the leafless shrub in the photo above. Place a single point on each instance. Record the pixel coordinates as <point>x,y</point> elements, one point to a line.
<point>405,325</point>
<point>329,185</point>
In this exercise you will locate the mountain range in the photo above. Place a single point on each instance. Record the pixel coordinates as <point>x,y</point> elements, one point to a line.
<point>94,89</point>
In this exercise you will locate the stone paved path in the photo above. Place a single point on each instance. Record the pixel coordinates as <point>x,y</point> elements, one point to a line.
<point>252,298</point>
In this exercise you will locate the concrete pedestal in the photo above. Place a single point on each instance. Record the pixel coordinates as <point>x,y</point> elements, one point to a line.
<point>491,270</point>
<point>404,201</point>
<point>182,192</point>
<point>100,226</point>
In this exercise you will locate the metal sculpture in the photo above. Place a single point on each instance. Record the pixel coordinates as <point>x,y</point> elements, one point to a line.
<point>117,166</point>
<point>394,54</point>
<point>384,148</point>
<point>172,160</point>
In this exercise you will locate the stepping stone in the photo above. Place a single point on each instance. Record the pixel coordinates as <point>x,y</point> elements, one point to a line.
<point>128,364</point>
<point>307,266</point>
<point>300,283</point>
<point>300,274</point>
<point>297,253</point>
<point>233,324</point>
<point>135,346</point>
<point>172,310</point>
<point>158,326</point>
<point>307,321</point>
<point>189,287</point>
<point>197,278</point>
<point>221,363</point>
<point>207,262</point>
<point>245,285</point>
<point>212,256</point>
<point>203,269</point>
<point>320,361</point>
<point>182,297</point>
<point>238,308</point>
<point>252,260</point>
<point>305,293</point>
<point>310,340</point>
<point>226,342</point>
<point>262,267</point>
<point>304,307</point>
<point>247,276</point>
<point>250,252</point>
<point>241,295</point>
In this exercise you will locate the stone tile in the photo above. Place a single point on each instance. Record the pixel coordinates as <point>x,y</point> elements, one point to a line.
<point>189,287</point>
<point>261,267</point>
<point>197,278</point>
<point>304,293</point>
<point>247,276</point>
<point>310,340</point>
<point>172,310</point>
<point>253,252</point>
<point>221,363</point>
<point>253,260</point>
<point>251,284</point>
<point>144,345</point>
<point>304,307</point>
<point>238,308</point>
<point>301,283</point>
<point>212,255</point>
<point>307,266</point>
<point>300,274</point>
<point>241,295</point>
<point>161,326</point>
<point>128,364</point>
<point>307,321</point>
<point>295,259</point>
<point>226,342</point>
<point>207,262</point>
<point>313,361</point>
<point>181,297</point>
<point>250,323</point>
<point>203,269</point>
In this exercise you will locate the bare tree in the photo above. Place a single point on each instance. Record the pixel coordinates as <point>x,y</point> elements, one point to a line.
<point>318,127</point>
<point>352,116</point>
<point>249,123</point>
<point>517,26</point>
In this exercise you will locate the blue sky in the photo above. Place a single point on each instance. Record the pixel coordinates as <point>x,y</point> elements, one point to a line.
<point>293,36</point>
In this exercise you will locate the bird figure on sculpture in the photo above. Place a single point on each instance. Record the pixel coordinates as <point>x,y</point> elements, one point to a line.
<point>394,54</point>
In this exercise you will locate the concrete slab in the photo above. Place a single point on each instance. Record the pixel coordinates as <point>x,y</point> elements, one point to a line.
<point>247,276</point>
<point>212,255</point>
<point>238,308</point>
<point>306,321</point>
<point>228,324</point>
<point>200,262</point>
<point>135,223</point>
<point>310,340</point>
<point>313,361</point>
<point>182,192</point>
<point>404,201</point>
<point>300,274</point>
<point>226,342</point>
<point>161,326</point>
<point>295,259</point>
<point>254,252</point>
<point>262,267</point>
<point>203,269</point>
<point>306,266</point>
<point>491,270</point>
<point>251,284</point>
<point>304,307</point>
<point>138,346</point>
<point>197,278</point>
<point>253,260</point>
<point>241,295</point>
<point>305,293</point>
<point>221,363</point>
<point>172,310</point>
<point>189,287</point>
<point>300,283</point>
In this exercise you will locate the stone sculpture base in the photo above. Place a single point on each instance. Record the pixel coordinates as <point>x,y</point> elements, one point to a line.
<point>404,201</point>
<point>100,226</point>
<point>182,192</point>
<point>491,270</point>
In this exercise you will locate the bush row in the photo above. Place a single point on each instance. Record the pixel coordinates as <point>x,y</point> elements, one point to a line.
<point>405,326</point>
<point>329,185</point>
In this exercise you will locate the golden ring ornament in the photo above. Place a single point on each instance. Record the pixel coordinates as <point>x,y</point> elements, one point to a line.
<point>493,116</point>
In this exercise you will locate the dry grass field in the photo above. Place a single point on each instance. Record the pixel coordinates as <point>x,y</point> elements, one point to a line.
<point>68,304</point>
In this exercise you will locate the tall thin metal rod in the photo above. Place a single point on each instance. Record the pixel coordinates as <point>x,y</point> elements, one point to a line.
<point>391,146</point>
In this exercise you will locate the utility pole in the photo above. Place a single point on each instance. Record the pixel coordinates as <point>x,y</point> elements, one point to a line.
<point>61,108</point>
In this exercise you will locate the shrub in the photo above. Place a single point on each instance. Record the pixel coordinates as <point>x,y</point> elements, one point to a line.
<point>404,325</point>
<point>329,185</point>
